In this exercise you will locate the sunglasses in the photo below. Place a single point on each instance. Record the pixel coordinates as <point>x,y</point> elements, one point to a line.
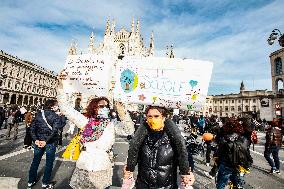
<point>103,106</point>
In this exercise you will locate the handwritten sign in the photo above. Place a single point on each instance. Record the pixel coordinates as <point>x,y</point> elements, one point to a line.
<point>88,74</point>
<point>171,83</point>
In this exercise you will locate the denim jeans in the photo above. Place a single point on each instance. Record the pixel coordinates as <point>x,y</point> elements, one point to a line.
<point>274,151</point>
<point>208,151</point>
<point>50,150</point>
<point>225,174</point>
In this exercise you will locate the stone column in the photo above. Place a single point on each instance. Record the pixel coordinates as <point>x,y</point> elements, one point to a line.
<point>17,98</point>
<point>1,98</point>
<point>10,96</point>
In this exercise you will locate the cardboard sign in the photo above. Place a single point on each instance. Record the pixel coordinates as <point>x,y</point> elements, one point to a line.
<point>88,74</point>
<point>166,82</point>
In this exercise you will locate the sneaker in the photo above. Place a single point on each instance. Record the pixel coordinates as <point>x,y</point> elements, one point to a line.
<point>277,171</point>
<point>207,164</point>
<point>29,147</point>
<point>272,171</point>
<point>208,175</point>
<point>30,185</point>
<point>48,186</point>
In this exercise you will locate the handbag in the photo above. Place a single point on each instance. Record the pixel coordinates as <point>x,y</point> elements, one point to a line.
<point>73,149</point>
<point>11,120</point>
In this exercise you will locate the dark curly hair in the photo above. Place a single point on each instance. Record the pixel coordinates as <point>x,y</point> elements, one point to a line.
<point>233,125</point>
<point>91,110</point>
<point>162,110</point>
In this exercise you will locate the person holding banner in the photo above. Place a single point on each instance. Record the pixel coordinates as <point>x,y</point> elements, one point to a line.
<point>94,165</point>
<point>159,149</point>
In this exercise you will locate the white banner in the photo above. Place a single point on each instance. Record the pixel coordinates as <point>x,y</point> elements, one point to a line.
<point>166,82</point>
<point>88,74</point>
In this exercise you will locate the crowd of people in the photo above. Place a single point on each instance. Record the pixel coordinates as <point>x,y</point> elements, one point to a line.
<point>157,146</point>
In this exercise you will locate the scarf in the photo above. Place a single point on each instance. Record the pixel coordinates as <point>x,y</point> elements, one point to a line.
<point>94,129</point>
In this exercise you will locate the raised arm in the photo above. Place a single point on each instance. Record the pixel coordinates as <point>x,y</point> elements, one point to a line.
<point>126,126</point>
<point>66,108</point>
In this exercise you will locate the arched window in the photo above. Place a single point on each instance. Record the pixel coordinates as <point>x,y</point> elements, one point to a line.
<point>279,84</point>
<point>254,108</point>
<point>122,49</point>
<point>278,66</point>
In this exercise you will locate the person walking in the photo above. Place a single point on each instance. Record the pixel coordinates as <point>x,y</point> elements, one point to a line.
<point>159,150</point>
<point>2,116</point>
<point>44,133</point>
<point>272,145</point>
<point>13,122</point>
<point>201,124</point>
<point>233,154</point>
<point>29,115</point>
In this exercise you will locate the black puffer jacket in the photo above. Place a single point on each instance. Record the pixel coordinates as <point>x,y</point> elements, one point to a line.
<point>157,163</point>
<point>158,155</point>
<point>233,150</point>
<point>40,130</point>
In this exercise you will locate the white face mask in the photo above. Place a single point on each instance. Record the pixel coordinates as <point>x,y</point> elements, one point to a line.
<point>103,112</point>
<point>55,108</point>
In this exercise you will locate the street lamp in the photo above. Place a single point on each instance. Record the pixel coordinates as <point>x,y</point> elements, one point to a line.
<point>273,36</point>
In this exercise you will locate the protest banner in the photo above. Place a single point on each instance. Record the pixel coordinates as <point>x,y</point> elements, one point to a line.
<point>166,82</point>
<point>88,74</point>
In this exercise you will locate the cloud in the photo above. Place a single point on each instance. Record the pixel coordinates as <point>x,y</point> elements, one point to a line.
<point>232,34</point>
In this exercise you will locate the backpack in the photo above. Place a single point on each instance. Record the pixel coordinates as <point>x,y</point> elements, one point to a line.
<point>237,150</point>
<point>254,138</point>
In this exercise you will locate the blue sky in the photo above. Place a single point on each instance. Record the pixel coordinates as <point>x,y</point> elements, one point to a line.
<point>230,33</point>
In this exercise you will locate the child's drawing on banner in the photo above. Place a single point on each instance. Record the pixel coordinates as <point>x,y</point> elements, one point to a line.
<point>88,74</point>
<point>173,83</point>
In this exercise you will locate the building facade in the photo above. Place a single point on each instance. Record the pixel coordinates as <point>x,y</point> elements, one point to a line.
<point>119,44</point>
<point>25,83</point>
<point>258,102</point>
<point>277,78</point>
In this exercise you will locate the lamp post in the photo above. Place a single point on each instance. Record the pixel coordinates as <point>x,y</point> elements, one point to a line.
<point>276,33</point>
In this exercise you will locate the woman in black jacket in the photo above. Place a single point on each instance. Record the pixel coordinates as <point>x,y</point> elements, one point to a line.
<point>159,149</point>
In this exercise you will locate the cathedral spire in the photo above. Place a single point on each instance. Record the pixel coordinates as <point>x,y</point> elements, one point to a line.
<point>73,49</point>
<point>171,54</point>
<point>151,50</point>
<point>113,27</point>
<point>138,27</point>
<point>91,44</point>
<point>132,25</point>
<point>107,32</point>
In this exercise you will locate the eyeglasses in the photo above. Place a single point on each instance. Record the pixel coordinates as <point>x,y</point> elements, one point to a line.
<point>102,106</point>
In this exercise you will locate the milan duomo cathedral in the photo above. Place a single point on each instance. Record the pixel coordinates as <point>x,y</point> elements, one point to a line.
<point>121,43</point>
<point>37,84</point>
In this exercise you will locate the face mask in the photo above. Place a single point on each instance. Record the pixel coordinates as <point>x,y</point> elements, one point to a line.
<point>103,112</point>
<point>155,124</point>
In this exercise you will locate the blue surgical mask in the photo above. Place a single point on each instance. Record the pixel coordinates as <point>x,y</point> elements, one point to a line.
<point>103,112</point>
